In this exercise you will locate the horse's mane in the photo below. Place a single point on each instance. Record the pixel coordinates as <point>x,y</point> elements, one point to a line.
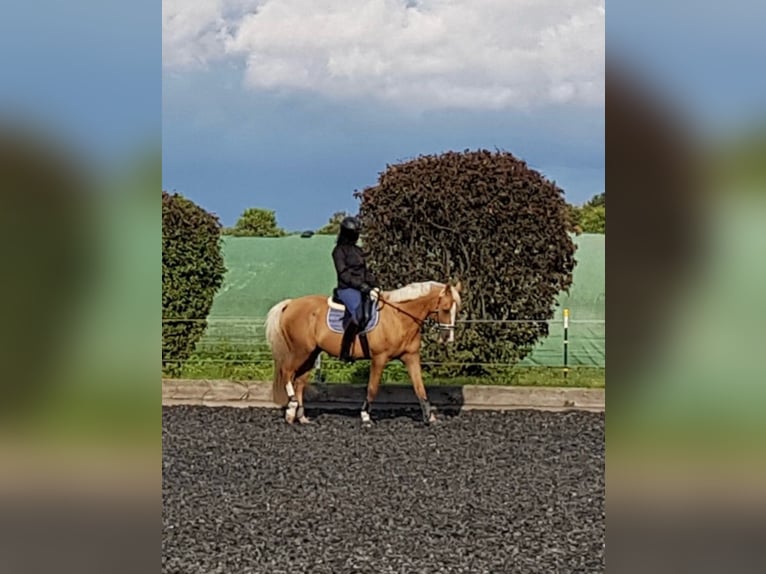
<point>411,291</point>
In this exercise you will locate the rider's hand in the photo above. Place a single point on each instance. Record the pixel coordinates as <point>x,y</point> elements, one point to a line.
<point>375,293</point>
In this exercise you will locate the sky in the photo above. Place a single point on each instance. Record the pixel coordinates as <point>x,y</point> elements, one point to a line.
<point>85,71</point>
<point>292,105</point>
<point>705,56</point>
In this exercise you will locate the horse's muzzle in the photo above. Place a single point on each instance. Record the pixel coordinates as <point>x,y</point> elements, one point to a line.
<point>446,333</point>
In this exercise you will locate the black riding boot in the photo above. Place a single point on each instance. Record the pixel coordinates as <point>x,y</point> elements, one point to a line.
<point>348,340</point>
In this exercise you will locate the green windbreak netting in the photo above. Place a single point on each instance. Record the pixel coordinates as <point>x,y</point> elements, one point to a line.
<point>587,304</point>
<point>263,271</point>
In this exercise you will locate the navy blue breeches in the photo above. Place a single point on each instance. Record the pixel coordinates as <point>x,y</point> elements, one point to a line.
<point>352,299</point>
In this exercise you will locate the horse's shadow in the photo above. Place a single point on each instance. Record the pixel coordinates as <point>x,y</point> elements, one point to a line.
<point>380,414</point>
<point>393,402</point>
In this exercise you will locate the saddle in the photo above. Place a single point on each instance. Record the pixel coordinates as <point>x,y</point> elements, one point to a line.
<point>335,300</point>
<point>334,303</point>
<point>369,312</point>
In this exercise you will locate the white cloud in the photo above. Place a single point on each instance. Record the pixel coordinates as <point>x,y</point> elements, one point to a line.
<point>194,32</point>
<point>427,54</point>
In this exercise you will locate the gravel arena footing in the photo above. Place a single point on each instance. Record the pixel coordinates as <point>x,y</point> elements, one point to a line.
<point>478,492</point>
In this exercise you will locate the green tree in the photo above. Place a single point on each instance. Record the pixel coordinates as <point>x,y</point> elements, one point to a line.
<point>333,225</point>
<point>485,218</point>
<point>589,217</point>
<point>593,219</point>
<point>192,272</point>
<point>598,200</point>
<point>256,222</point>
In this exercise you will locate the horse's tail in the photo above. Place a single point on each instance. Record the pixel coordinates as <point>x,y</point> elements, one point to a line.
<point>275,336</point>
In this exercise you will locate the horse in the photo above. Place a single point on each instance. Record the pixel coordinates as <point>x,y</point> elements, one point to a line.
<point>298,330</point>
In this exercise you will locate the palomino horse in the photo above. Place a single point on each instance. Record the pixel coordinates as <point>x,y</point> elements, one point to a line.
<point>297,331</point>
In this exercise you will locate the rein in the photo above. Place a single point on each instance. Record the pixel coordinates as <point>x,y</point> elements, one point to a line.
<point>420,322</point>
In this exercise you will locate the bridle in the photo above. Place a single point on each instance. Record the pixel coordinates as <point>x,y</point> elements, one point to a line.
<point>421,322</point>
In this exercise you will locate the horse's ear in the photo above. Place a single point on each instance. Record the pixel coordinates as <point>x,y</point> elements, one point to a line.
<point>459,286</point>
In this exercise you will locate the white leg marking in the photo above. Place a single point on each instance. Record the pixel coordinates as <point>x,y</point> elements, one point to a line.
<point>292,406</point>
<point>290,413</point>
<point>452,316</point>
<point>366,417</point>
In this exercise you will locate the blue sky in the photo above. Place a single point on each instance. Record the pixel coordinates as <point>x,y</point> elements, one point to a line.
<point>87,71</point>
<point>706,56</point>
<point>293,105</point>
<point>303,156</point>
<point>238,132</point>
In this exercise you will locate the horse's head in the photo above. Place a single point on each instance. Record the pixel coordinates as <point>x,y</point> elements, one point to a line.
<point>446,311</point>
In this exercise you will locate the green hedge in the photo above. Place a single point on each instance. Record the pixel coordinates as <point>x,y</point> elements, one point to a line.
<point>192,272</point>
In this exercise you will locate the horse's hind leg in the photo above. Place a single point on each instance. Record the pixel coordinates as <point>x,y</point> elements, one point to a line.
<point>292,404</point>
<point>301,381</point>
<point>295,376</point>
<point>300,385</point>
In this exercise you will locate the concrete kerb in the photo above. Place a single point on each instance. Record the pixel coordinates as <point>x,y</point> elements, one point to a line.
<point>219,393</point>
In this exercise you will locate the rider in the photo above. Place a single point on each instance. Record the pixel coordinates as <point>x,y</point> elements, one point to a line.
<point>355,280</point>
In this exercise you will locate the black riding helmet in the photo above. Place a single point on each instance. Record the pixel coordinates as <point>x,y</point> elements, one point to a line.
<point>350,228</point>
<point>351,223</point>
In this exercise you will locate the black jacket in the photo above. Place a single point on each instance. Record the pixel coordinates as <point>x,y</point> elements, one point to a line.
<point>351,268</point>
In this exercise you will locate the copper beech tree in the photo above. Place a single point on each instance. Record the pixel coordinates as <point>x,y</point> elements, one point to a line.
<point>487,219</point>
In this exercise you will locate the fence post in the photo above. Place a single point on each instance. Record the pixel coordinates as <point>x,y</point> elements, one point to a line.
<point>566,343</point>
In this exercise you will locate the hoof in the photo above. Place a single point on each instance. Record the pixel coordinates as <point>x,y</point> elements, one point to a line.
<point>366,420</point>
<point>291,412</point>
<point>304,420</point>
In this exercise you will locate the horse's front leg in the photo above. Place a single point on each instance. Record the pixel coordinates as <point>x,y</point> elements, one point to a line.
<point>376,372</point>
<point>412,361</point>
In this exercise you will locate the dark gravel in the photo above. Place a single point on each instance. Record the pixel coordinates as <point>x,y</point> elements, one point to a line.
<point>519,491</point>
